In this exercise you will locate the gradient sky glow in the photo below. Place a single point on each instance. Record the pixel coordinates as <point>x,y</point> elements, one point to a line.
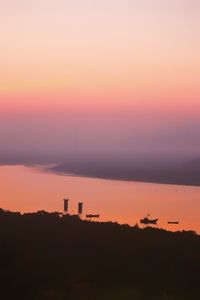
<point>131,66</point>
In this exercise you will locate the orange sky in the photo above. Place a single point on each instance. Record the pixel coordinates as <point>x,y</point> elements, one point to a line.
<point>127,50</point>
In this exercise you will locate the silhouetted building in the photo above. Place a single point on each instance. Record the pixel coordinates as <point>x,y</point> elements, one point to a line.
<point>80,208</point>
<point>66,205</point>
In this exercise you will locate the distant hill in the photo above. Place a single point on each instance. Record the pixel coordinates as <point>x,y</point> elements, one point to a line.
<point>193,164</point>
<point>181,173</point>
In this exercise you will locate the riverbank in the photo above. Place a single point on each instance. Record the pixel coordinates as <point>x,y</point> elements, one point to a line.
<point>188,175</point>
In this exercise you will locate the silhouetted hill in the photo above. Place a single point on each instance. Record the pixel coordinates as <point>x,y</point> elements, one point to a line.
<point>45,256</point>
<point>182,174</point>
<point>193,164</point>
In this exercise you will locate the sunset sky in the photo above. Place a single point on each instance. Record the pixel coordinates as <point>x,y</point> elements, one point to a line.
<point>115,72</point>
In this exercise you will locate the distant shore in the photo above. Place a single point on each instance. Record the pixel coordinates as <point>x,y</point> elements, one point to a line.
<point>185,175</point>
<point>173,176</point>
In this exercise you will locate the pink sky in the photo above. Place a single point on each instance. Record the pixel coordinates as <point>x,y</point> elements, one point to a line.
<point>128,65</point>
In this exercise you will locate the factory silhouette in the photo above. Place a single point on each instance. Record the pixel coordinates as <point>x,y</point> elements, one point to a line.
<point>80,210</point>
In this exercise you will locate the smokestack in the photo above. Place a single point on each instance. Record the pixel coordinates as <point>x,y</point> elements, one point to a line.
<point>80,208</point>
<point>66,205</point>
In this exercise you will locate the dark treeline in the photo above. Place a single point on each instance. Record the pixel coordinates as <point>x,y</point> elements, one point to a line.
<point>45,256</point>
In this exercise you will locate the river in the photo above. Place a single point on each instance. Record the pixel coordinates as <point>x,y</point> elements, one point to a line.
<point>29,189</point>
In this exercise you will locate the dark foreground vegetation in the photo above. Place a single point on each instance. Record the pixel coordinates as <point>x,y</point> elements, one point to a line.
<point>45,256</point>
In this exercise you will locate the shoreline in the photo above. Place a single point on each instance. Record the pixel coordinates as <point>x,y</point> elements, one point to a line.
<point>122,178</point>
<point>52,168</point>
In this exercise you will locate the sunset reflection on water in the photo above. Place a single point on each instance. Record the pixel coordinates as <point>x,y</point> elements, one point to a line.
<point>29,189</point>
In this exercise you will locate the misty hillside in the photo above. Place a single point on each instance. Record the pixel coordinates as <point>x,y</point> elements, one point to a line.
<point>193,164</point>
<point>158,172</point>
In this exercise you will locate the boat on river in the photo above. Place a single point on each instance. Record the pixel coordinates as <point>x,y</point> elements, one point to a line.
<point>147,221</point>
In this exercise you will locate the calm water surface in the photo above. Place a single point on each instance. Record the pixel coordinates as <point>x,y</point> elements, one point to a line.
<point>29,189</point>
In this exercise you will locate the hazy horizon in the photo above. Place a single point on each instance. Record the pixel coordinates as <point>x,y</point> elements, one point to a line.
<point>116,78</point>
